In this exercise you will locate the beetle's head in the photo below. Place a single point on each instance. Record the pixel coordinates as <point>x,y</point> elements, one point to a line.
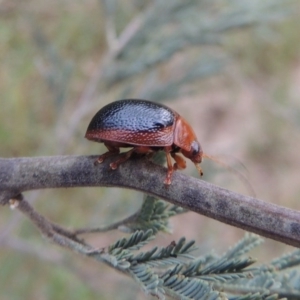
<point>194,154</point>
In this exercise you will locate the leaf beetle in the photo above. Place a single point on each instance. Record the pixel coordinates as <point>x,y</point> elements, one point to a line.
<point>146,127</point>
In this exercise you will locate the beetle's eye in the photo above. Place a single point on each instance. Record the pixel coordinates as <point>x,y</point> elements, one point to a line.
<point>195,148</point>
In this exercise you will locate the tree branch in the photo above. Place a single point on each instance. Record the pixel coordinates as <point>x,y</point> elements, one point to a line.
<point>18,175</point>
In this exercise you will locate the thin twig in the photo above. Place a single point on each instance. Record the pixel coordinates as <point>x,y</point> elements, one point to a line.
<point>60,237</point>
<point>109,227</point>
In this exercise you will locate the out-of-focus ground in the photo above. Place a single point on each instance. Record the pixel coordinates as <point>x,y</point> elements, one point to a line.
<point>248,114</point>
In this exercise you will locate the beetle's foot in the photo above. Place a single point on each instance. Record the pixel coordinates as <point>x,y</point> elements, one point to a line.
<point>122,158</point>
<point>167,181</point>
<point>99,160</point>
<point>114,165</point>
<point>111,151</point>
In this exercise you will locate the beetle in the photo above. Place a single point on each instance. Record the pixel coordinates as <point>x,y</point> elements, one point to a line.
<point>147,127</point>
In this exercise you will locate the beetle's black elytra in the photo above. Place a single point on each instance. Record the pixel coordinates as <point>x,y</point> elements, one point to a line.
<point>133,115</point>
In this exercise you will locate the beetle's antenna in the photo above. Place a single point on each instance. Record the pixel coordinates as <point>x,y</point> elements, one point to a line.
<point>240,175</point>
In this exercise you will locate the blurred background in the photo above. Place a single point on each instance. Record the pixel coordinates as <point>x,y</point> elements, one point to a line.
<point>231,68</point>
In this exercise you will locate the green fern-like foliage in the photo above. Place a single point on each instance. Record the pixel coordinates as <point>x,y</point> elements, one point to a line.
<point>154,214</point>
<point>173,271</point>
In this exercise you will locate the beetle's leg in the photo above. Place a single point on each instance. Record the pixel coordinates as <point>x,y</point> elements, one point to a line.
<point>180,162</point>
<point>143,150</point>
<point>170,168</point>
<point>199,169</point>
<point>111,151</point>
<point>123,157</point>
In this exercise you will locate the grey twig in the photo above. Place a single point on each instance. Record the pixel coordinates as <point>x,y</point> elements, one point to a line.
<point>18,175</point>
<point>106,228</point>
<point>51,231</point>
